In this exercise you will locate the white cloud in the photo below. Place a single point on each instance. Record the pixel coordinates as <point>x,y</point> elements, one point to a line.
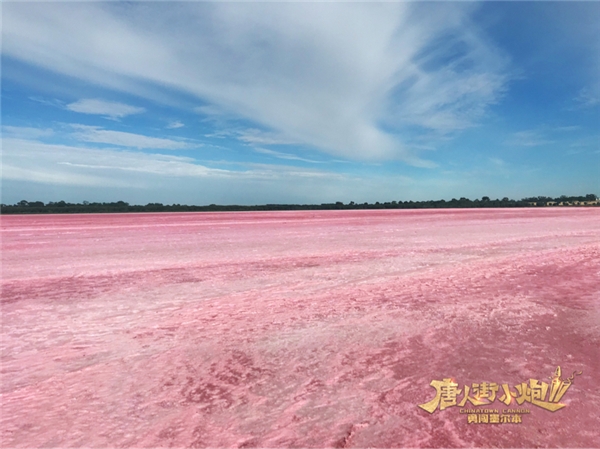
<point>48,102</point>
<point>174,125</point>
<point>347,78</point>
<point>528,138</point>
<point>210,110</point>
<point>255,136</point>
<point>109,109</point>
<point>49,172</point>
<point>56,176</point>
<point>25,132</point>
<point>568,128</point>
<point>280,155</point>
<point>124,139</point>
<point>589,96</point>
<point>588,141</point>
<point>29,160</point>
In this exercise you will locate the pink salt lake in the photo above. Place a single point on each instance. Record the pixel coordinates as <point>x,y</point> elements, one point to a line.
<point>295,329</point>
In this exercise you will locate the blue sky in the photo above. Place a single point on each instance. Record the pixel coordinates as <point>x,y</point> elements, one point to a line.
<point>275,102</point>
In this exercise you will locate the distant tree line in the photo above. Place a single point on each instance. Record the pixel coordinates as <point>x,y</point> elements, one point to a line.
<point>61,207</point>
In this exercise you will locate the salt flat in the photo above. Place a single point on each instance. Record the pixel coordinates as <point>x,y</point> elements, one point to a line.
<point>295,329</point>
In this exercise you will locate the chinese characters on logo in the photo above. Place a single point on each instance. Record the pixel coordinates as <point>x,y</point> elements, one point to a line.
<point>541,394</point>
<point>495,417</point>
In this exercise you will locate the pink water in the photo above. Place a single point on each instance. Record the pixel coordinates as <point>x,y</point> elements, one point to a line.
<point>295,329</point>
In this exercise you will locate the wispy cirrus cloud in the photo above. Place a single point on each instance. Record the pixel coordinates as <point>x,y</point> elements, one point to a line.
<point>252,136</point>
<point>69,165</point>
<point>569,128</point>
<point>110,109</point>
<point>347,78</point>
<point>47,101</point>
<point>588,97</point>
<point>529,138</point>
<point>96,134</point>
<point>175,125</point>
<point>25,132</point>
<point>287,156</point>
<point>258,137</point>
<point>31,160</point>
<point>210,111</point>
